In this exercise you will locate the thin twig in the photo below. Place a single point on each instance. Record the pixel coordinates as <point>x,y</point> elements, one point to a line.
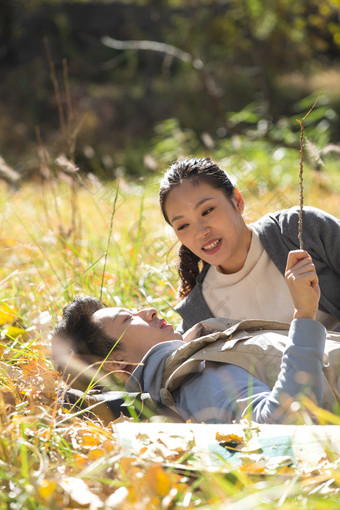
<point>70,118</point>
<point>56,90</point>
<point>108,241</point>
<point>160,47</point>
<point>301,172</point>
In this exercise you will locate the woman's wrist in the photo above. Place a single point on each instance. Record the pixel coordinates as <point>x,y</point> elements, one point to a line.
<point>304,314</point>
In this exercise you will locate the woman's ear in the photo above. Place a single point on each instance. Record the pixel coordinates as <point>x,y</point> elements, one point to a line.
<point>238,200</point>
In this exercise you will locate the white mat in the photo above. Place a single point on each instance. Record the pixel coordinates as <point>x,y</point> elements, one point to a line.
<point>264,445</point>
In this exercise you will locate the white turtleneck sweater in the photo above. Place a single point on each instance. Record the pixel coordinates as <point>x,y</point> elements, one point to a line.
<point>257,291</point>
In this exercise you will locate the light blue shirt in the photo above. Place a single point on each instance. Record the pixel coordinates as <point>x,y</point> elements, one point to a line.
<point>222,393</point>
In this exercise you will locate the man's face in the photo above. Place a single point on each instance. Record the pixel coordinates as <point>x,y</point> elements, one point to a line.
<point>136,331</point>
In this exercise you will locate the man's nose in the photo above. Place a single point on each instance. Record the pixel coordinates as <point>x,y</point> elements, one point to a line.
<point>148,314</point>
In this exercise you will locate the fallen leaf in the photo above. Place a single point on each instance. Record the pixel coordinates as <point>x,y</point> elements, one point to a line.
<point>228,438</point>
<point>159,479</point>
<point>7,314</point>
<point>47,488</point>
<point>230,442</point>
<point>79,492</point>
<point>14,332</point>
<point>116,499</point>
<point>7,403</point>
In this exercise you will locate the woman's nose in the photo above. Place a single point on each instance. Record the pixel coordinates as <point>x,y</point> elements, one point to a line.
<point>202,230</point>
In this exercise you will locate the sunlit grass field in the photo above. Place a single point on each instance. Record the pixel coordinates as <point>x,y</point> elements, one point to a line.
<point>68,236</point>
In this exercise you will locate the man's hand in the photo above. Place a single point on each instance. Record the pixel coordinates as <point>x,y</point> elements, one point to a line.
<point>303,284</point>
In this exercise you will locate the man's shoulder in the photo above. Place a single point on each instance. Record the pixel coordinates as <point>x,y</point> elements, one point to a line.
<point>163,349</point>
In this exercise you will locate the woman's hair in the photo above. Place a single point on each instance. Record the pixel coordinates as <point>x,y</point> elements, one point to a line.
<point>197,170</point>
<point>85,335</point>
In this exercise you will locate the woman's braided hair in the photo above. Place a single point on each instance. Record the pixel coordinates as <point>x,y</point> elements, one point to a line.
<point>198,170</point>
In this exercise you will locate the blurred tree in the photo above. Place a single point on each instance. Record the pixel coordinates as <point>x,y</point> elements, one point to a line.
<point>262,53</point>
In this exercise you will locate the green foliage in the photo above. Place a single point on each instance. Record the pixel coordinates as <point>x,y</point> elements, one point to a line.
<point>249,65</point>
<point>260,156</point>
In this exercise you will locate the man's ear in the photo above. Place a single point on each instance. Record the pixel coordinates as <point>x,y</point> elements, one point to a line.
<point>238,200</point>
<point>115,362</point>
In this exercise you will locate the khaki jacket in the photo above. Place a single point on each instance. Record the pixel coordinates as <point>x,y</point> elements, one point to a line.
<point>254,345</point>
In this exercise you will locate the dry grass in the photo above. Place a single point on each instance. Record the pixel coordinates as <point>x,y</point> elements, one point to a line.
<point>113,245</point>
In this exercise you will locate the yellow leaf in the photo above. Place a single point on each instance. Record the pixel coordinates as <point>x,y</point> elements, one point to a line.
<point>7,314</point>
<point>7,242</point>
<point>159,480</point>
<point>228,438</point>
<point>95,453</point>
<point>47,488</point>
<point>80,460</point>
<point>252,468</point>
<point>88,441</point>
<point>30,369</point>
<point>13,331</point>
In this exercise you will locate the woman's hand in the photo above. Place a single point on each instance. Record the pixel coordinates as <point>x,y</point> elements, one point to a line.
<point>303,284</point>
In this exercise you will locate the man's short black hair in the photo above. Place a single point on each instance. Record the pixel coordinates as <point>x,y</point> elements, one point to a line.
<point>79,343</point>
<point>85,335</point>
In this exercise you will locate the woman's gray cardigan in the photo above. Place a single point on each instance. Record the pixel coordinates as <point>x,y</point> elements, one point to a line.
<point>278,232</point>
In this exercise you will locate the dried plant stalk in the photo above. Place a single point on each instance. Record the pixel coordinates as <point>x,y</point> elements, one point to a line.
<point>301,173</point>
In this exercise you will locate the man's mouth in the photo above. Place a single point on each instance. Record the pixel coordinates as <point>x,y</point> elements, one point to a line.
<point>212,245</point>
<point>163,324</point>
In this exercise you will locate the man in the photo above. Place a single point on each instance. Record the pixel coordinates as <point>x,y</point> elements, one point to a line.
<point>253,368</point>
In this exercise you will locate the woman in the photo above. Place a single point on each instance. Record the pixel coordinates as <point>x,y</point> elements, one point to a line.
<point>230,269</point>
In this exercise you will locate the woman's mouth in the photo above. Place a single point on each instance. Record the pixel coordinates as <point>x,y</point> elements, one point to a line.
<point>212,247</point>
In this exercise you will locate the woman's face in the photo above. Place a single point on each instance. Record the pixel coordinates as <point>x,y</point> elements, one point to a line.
<point>210,224</point>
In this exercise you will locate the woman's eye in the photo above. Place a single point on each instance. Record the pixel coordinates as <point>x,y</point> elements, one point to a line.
<point>182,227</point>
<point>207,211</point>
<point>127,317</point>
